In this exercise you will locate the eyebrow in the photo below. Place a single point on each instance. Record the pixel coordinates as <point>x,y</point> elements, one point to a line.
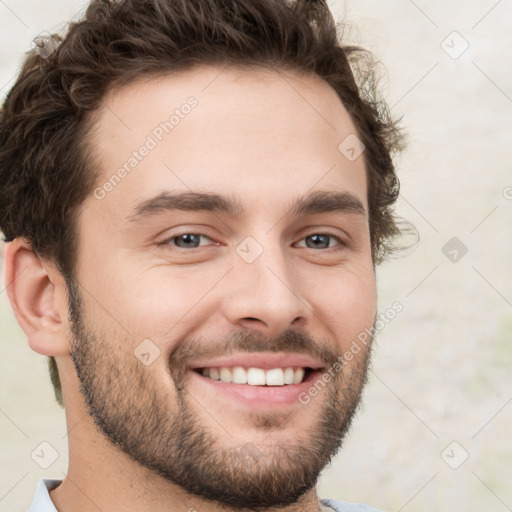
<point>312,203</point>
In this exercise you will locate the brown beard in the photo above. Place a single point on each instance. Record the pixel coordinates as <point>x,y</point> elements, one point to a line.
<point>136,415</point>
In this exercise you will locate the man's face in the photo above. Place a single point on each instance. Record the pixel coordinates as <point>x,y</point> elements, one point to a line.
<point>163,293</point>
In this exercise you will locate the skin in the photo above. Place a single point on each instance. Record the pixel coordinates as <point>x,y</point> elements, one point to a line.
<point>266,138</point>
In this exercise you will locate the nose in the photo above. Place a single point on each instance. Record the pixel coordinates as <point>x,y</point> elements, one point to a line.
<point>265,295</point>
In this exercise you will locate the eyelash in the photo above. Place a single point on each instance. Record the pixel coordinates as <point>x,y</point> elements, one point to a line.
<point>166,242</point>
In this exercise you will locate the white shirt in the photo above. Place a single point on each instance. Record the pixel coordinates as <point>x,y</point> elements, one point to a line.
<point>43,503</point>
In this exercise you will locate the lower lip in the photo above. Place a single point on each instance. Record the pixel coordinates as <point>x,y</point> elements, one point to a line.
<point>260,396</point>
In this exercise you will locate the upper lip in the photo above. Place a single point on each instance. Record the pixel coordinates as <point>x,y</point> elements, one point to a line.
<point>263,360</point>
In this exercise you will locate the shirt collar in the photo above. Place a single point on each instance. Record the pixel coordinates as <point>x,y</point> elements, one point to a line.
<point>42,501</point>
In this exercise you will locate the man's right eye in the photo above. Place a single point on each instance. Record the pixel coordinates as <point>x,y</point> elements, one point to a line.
<point>185,240</point>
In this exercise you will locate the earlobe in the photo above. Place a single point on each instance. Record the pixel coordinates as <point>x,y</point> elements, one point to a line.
<point>35,291</point>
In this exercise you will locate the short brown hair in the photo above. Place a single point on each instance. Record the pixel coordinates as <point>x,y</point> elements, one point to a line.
<point>45,119</point>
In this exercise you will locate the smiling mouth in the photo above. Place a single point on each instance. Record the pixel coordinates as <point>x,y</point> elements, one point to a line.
<point>252,376</point>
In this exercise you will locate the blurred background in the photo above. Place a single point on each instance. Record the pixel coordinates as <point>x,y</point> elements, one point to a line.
<point>434,431</point>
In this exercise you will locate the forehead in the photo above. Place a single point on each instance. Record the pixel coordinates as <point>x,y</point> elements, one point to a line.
<point>254,133</point>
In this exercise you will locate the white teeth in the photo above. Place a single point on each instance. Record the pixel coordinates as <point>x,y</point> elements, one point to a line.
<point>274,377</point>
<point>226,375</point>
<point>239,375</point>
<point>256,376</point>
<point>298,376</point>
<point>289,376</point>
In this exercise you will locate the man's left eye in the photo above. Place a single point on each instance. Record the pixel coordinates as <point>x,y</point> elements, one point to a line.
<point>321,241</point>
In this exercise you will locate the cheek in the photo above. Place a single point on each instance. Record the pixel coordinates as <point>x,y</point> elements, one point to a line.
<point>346,303</point>
<point>159,303</point>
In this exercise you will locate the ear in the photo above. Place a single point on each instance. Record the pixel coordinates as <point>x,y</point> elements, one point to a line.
<point>37,292</point>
